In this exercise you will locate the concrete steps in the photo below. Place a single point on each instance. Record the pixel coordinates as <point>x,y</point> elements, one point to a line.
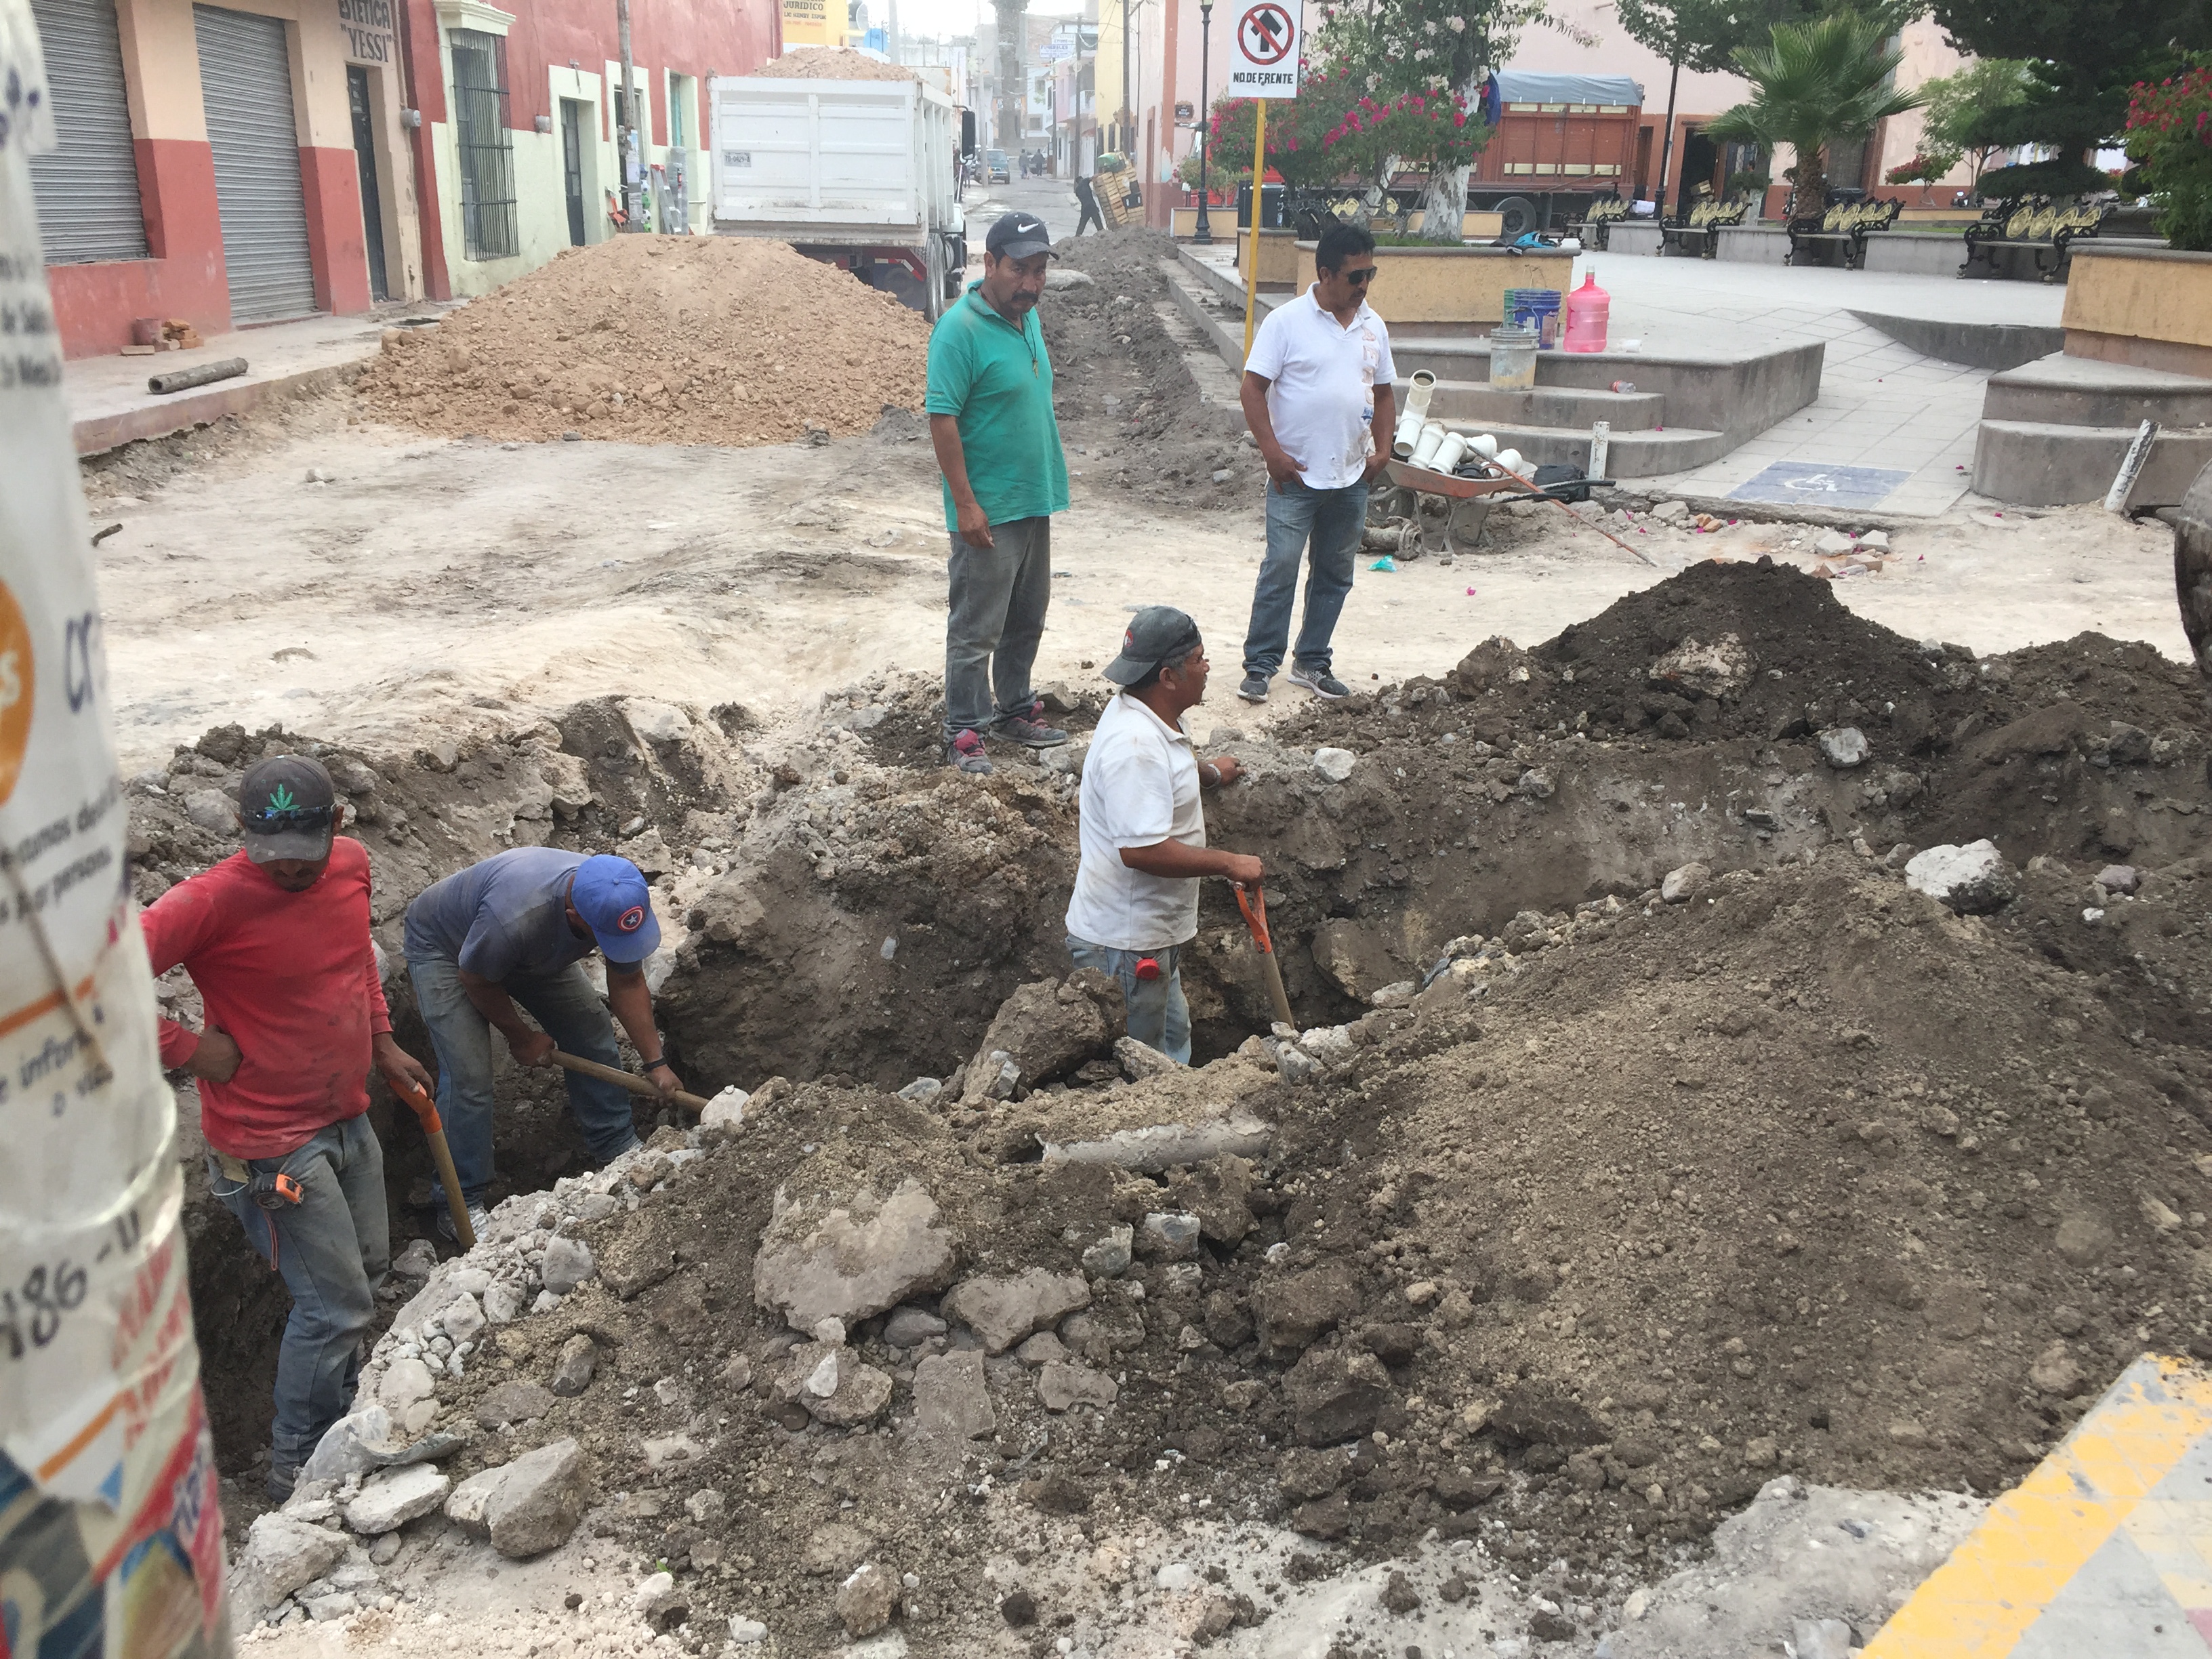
<point>2055,430</point>
<point>2049,462</point>
<point>1545,405</point>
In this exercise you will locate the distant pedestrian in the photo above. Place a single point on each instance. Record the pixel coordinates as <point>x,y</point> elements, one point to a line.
<point>1086,197</point>
<point>1143,830</point>
<point>1317,395</point>
<point>277,940</point>
<point>998,444</point>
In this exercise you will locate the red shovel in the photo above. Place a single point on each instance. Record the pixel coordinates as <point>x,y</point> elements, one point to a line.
<point>426,1114</point>
<point>1255,917</point>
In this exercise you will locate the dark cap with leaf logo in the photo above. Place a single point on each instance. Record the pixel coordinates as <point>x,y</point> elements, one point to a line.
<point>288,807</point>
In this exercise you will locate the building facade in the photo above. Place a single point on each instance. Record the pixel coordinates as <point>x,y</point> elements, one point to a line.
<point>265,160</point>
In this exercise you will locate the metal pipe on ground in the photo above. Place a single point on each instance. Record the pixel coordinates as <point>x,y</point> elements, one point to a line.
<point>183,379</point>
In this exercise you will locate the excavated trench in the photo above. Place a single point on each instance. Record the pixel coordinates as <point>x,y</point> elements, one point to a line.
<point>837,914</point>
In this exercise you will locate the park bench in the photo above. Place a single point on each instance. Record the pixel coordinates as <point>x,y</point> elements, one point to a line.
<point>1597,221</point>
<point>2047,226</point>
<point>1700,227</point>
<point>1847,224</point>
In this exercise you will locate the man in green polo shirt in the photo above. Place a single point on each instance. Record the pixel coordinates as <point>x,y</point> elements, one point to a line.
<point>998,444</point>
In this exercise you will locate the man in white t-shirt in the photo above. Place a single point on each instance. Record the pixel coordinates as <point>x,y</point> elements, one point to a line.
<point>1318,396</point>
<point>1135,903</point>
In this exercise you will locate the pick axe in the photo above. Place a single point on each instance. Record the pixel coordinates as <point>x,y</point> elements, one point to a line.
<point>426,1114</point>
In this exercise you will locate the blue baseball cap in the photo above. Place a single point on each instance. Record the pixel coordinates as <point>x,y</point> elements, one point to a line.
<point>611,895</point>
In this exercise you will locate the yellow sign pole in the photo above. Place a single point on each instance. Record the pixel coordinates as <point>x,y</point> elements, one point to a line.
<point>1252,248</point>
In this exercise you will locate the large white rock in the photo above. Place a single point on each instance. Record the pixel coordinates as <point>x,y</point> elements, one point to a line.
<point>1972,879</point>
<point>1003,1310</point>
<point>567,1264</point>
<point>343,1450</point>
<point>1334,764</point>
<point>390,1499</point>
<point>726,1111</point>
<point>854,1259</point>
<point>405,1381</point>
<point>540,1501</point>
<point>281,1554</point>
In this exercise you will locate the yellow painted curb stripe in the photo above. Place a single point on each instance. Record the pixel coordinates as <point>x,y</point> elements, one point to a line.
<point>2034,1538</point>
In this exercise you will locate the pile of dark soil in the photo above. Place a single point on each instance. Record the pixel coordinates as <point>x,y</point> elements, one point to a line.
<point>1130,413</point>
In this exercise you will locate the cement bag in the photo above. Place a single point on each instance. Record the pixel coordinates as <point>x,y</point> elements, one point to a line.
<point>111,1542</point>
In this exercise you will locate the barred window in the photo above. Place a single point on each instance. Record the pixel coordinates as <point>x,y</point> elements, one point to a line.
<point>487,148</point>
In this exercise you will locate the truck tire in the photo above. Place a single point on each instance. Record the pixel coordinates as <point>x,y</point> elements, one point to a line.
<point>1518,215</point>
<point>933,278</point>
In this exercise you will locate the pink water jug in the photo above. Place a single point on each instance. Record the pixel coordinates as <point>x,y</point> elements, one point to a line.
<point>1589,308</point>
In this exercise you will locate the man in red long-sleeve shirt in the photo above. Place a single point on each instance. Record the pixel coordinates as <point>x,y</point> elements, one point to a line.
<point>277,939</point>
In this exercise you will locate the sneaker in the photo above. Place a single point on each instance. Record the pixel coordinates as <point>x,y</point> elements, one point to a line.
<point>965,754</point>
<point>1029,729</point>
<point>479,1218</point>
<point>1321,682</point>
<point>282,1477</point>
<point>1255,688</point>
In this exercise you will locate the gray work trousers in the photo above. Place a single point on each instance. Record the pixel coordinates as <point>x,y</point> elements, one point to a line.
<point>1000,595</point>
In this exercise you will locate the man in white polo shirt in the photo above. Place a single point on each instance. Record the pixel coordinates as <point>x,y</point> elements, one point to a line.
<point>1318,396</point>
<point>1135,903</point>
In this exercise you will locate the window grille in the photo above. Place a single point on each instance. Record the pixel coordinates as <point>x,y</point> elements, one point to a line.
<point>487,147</point>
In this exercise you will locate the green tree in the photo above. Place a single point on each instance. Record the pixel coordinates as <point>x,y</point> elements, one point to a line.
<point>1813,84</point>
<point>1958,106</point>
<point>1388,49</point>
<point>2083,56</point>
<point>1704,36</point>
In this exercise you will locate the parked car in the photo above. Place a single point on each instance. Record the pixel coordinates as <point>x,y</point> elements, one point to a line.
<point>995,170</point>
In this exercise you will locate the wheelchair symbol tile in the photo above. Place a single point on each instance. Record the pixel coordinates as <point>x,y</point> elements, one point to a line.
<point>1814,483</point>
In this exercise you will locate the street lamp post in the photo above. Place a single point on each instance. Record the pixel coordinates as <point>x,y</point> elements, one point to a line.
<point>1203,236</point>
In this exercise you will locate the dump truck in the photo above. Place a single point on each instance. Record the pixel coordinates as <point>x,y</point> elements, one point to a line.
<point>863,174</point>
<point>1561,141</point>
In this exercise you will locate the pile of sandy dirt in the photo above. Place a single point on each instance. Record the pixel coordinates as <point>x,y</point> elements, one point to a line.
<point>654,340</point>
<point>832,63</point>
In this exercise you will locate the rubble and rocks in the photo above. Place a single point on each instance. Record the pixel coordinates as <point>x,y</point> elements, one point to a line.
<point>1973,879</point>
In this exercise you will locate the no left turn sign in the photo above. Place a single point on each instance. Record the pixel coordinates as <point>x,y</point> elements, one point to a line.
<point>1264,52</point>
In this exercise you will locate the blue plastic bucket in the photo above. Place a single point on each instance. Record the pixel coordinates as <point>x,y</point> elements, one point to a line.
<point>1537,308</point>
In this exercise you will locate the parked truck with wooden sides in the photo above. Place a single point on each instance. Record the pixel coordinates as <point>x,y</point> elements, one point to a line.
<point>1560,140</point>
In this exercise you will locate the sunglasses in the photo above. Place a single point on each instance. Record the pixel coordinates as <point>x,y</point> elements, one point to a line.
<point>290,817</point>
<point>1360,278</point>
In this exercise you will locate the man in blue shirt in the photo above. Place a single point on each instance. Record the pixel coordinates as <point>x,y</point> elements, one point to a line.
<point>998,444</point>
<point>514,929</point>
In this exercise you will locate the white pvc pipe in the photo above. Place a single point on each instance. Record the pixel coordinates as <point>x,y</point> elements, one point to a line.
<point>1433,440</point>
<point>1485,445</point>
<point>1449,452</point>
<point>1408,436</point>
<point>1508,460</point>
<point>1422,388</point>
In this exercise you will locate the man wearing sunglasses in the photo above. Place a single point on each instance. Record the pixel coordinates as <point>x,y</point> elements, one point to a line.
<point>1317,394</point>
<point>275,938</point>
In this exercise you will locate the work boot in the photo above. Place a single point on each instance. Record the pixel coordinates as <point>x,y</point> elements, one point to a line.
<point>1321,682</point>
<point>479,1218</point>
<point>1029,729</point>
<point>282,1477</point>
<point>965,754</point>
<point>1255,688</point>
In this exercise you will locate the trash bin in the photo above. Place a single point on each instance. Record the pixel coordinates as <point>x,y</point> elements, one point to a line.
<point>1271,206</point>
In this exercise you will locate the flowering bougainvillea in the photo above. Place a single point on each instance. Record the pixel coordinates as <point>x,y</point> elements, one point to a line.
<point>2169,136</point>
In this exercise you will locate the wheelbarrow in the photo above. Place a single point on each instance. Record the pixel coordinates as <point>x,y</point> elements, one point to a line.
<point>1471,500</point>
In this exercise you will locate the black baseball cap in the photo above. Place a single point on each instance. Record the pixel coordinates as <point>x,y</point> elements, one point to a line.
<point>1019,236</point>
<point>1159,634</point>
<point>288,809</point>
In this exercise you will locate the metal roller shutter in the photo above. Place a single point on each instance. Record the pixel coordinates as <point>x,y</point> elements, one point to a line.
<point>87,189</point>
<point>246,81</point>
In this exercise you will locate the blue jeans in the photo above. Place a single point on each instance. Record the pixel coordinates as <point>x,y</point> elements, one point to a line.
<point>1331,519</point>
<point>332,1247</point>
<point>1159,1018</point>
<point>569,1011</point>
<point>999,596</point>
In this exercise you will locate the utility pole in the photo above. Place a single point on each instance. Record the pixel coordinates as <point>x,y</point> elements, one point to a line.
<point>1667,144</point>
<point>629,153</point>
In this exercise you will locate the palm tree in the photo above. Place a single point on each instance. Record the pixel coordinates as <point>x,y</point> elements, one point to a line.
<point>1816,83</point>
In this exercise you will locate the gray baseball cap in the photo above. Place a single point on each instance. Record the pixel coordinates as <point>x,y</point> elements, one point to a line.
<point>288,809</point>
<point>1158,633</point>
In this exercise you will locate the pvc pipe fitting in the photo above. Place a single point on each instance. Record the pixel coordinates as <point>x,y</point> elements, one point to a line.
<point>1424,387</point>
